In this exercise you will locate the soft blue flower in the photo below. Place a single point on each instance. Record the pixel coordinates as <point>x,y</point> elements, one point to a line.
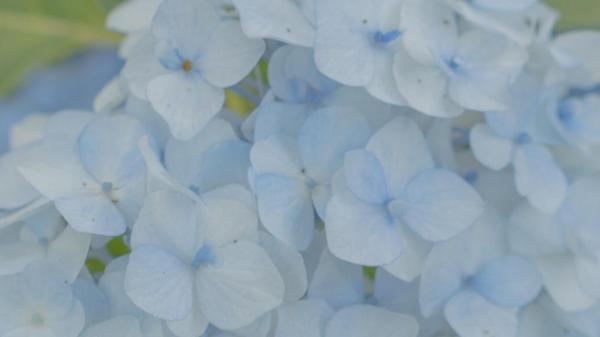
<point>96,184</point>
<point>39,302</point>
<point>355,43</point>
<point>515,136</point>
<point>200,54</point>
<point>388,200</point>
<point>293,175</point>
<point>476,284</point>
<point>207,265</point>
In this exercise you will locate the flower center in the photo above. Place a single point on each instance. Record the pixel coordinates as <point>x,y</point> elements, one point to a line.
<point>187,65</point>
<point>523,138</point>
<point>204,256</point>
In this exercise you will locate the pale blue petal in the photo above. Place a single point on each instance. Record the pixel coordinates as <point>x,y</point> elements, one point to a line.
<point>471,315</point>
<point>229,55</point>
<point>424,87</point>
<point>154,224</point>
<point>438,205</point>
<point>360,232</point>
<point>561,283</point>
<point>242,286</point>
<point>227,214</point>
<point>402,151</point>
<point>326,137</point>
<point>539,178</point>
<point>120,326</point>
<point>451,262</point>
<point>277,154</point>
<point>364,176</point>
<point>306,318</point>
<point>93,214</point>
<point>108,150</point>
<point>533,233</point>
<point>285,209</point>
<point>338,283</point>
<point>186,25</point>
<point>510,281</point>
<point>226,163</point>
<point>343,49</point>
<point>278,118</point>
<point>492,151</point>
<point>368,320</point>
<point>185,101</point>
<point>159,283</point>
<point>290,264</point>
<point>278,20</point>
<point>16,191</point>
<point>184,158</point>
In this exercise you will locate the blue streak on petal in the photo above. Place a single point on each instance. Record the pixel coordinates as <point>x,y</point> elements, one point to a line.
<point>576,92</point>
<point>387,37</point>
<point>204,256</point>
<point>523,138</point>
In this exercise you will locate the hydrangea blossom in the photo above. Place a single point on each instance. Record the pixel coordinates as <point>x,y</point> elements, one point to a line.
<point>315,168</point>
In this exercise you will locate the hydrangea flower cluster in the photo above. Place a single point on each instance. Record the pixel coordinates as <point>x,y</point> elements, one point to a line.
<point>410,168</point>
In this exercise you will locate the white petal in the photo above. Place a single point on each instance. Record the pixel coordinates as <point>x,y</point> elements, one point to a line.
<point>438,205</point>
<point>108,150</point>
<point>120,326</point>
<point>192,326</point>
<point>16,191</point>
<point>325,138</point>
<point>360,232</point>
<point>511,281</point>
<point>230,55</point>
<point>290,264</point>
<point>337,282</point>
<point>69,251</point>
<point>471,315</point>
<point>539,178</point>
<point>490,150</point>
<point>227,215</point>
<point>242,285</point>
<point>159,283</point>
<point>560,281</point>
<point>367,320</point>
<point>278,20</point>
<point>155,224</point>
<point>185,101</point>
<point>424,87</point>
<point>402,151</point>
<point>306,318</point>
<point>286,209</point>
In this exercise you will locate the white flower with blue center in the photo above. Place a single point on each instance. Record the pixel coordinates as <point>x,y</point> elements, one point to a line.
<point>519,136</point>
<point>388,200</point>
<point>97,183</point>
<point>292,175</point>
<point>205,268</point>
<point>39,302</point>
<point>200,55</point>
<point>355,43</point>
<point>444,71</point>
<point>476,285</point>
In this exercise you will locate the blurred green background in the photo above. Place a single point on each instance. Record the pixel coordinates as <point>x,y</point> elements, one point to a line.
<point>34,33</point>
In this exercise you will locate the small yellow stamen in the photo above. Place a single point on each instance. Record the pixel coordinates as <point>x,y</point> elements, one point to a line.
<point>187,65</point>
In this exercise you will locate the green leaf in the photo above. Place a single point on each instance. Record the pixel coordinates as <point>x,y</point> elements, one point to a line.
<point>117,247</point>
<point>95,265</point>
<point>577,14</point>
<point>37,32</point>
